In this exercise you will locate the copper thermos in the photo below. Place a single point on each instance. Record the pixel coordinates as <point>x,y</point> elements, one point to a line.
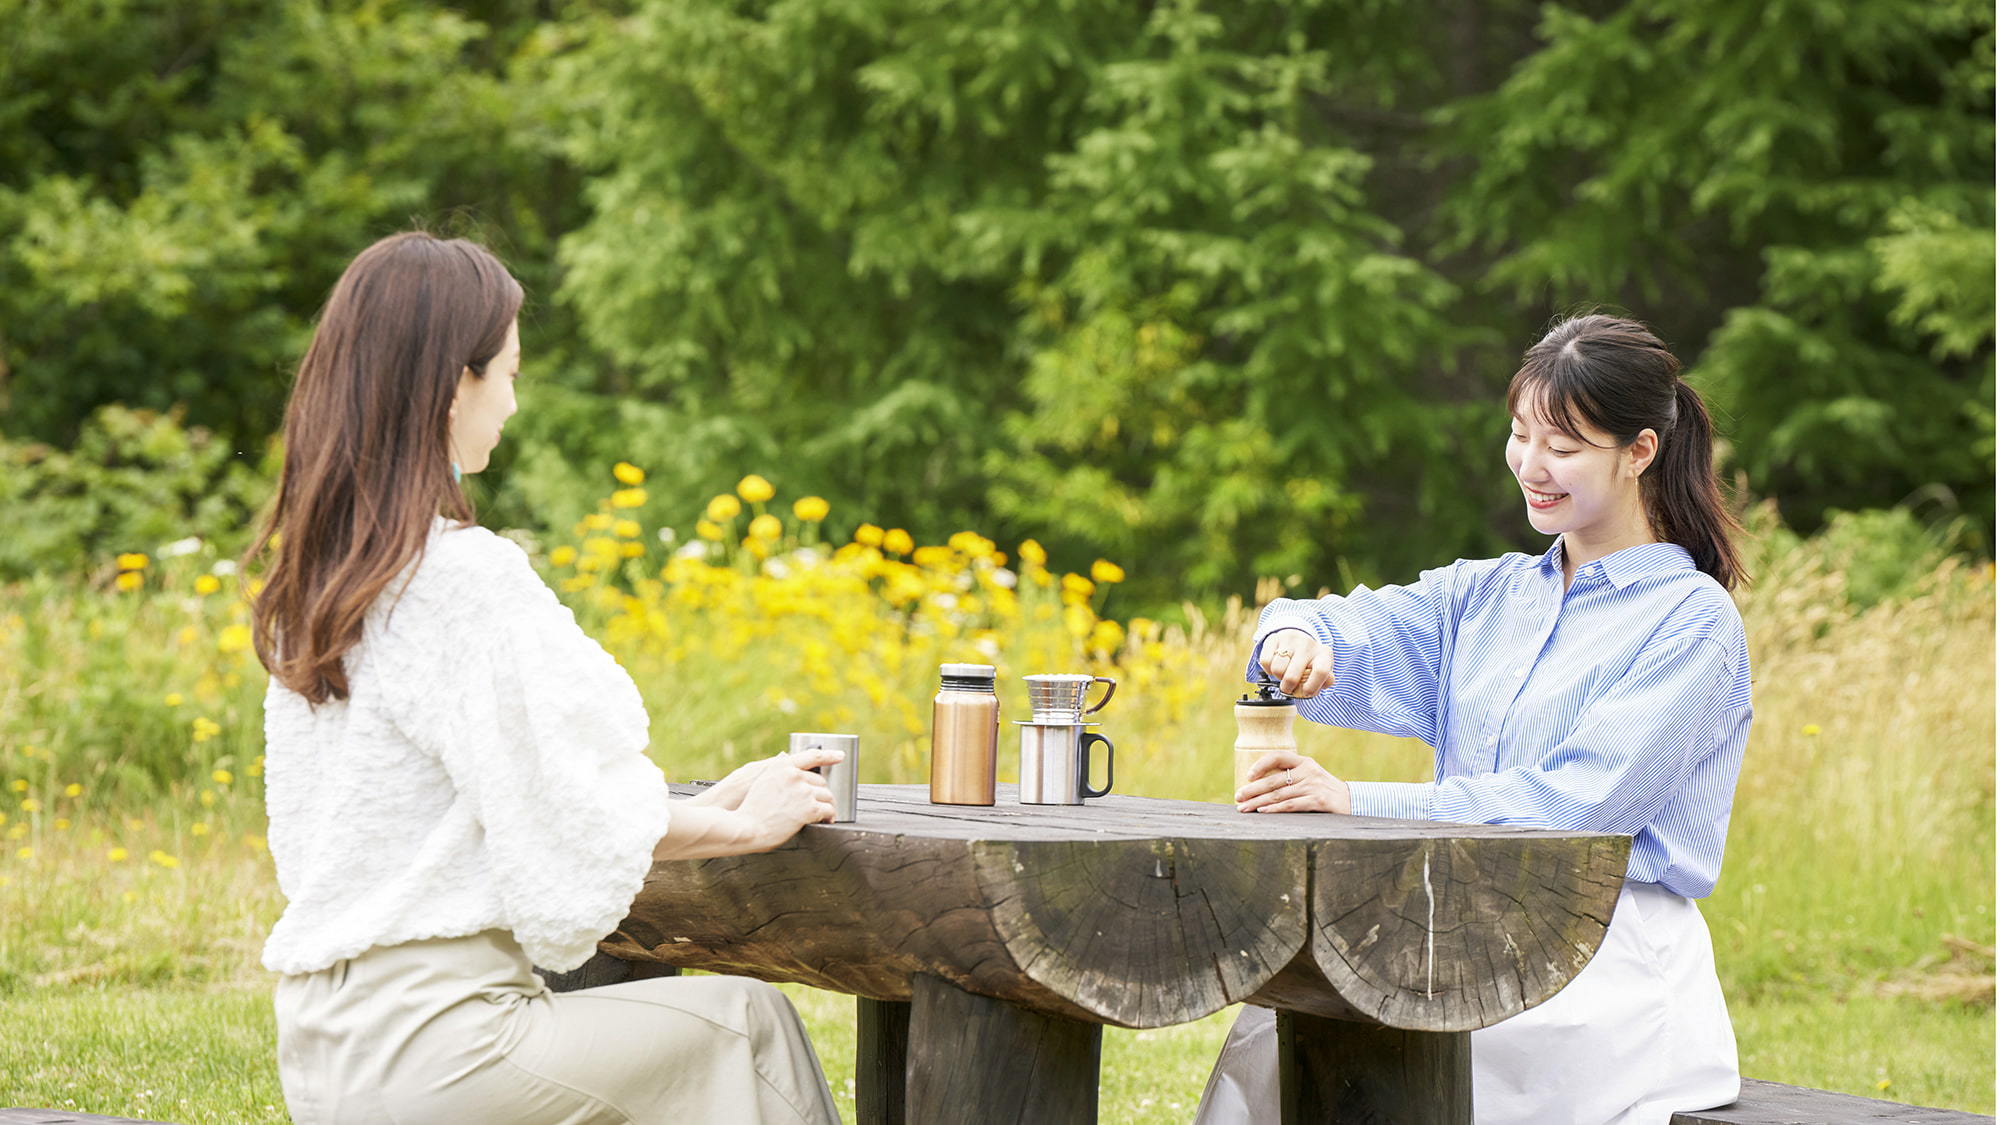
<point>965,735</point>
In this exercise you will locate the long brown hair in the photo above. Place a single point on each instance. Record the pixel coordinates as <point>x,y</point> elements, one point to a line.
<point>367,438</point>
<point>1618,377</point>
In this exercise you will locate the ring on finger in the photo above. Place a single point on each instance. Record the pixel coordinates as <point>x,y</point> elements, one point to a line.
<point>1288,777</point>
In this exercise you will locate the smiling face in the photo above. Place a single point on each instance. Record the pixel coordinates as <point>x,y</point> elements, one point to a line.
<point>1582,485</point>
<point>483,404</point>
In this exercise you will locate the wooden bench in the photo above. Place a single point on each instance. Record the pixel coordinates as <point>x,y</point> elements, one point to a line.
<point>1769,1103</point>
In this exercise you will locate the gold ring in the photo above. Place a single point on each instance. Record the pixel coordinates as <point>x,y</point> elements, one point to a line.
<point>1285,652</point>
<point>1288,777</point>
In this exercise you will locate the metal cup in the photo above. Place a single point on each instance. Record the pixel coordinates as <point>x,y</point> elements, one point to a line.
<point>1058,697</point>
<point>1055,763</point>
<point>842,776</point>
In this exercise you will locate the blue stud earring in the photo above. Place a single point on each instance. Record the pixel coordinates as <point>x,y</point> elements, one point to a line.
<point>456,474</point>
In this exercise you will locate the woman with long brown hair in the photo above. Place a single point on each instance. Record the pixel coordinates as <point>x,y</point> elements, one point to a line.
<point>456,775</point>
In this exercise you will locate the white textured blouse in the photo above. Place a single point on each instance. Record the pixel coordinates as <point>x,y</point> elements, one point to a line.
<point>487,771</point>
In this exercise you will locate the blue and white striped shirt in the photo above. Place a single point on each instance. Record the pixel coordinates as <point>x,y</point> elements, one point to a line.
<point>1620,705</point>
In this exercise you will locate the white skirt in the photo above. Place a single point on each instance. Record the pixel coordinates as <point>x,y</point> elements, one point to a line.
<point>1640,1034</point>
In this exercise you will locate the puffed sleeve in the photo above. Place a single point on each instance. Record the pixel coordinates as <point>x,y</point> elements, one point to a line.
<point>543,737</point>
<point>1389,646</point>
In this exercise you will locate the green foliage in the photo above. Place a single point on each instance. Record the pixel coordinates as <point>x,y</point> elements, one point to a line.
<point>134,480</point>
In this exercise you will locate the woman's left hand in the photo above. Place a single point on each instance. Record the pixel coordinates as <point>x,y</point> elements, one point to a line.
<point>728,793</point>
<point>1282,781</point>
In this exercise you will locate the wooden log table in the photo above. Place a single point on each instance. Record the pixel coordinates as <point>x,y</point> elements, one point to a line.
<point>989,946</point>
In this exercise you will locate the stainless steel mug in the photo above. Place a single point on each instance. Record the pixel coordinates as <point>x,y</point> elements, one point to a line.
<point>1058,697</point>
<point>843,776</point>
<point>1055,763</point>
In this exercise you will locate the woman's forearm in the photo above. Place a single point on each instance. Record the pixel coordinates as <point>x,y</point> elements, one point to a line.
<point>701,831</point>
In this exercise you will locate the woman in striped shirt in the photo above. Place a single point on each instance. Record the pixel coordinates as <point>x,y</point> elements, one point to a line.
<point>1602,686</point>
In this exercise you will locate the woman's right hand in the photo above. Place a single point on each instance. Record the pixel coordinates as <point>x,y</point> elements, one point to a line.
<point>785,795</point>
<point>1298,661</point>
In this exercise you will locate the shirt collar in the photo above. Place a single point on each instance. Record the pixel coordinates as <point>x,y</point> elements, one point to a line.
<point>1622,568</point>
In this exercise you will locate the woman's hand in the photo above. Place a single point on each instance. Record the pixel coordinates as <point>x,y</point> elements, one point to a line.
<point>728,793</point>
<point>784,795</point>
<point>1282,781</point>
<point>1298,661</point>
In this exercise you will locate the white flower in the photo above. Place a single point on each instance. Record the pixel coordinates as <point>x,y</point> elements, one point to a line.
<point>180,547</point>
<point>1004,578</point>
<point>223,567</point>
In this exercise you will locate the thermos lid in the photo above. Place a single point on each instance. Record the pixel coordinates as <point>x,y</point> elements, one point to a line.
<point>966,671</point>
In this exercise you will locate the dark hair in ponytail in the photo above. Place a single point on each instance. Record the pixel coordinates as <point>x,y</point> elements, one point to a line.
<point>1616,376</point>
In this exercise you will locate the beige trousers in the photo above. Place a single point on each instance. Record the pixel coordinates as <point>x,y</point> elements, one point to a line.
<point>462,1030</point>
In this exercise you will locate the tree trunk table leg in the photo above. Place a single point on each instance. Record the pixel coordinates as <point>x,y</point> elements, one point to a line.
<point>1364,1074</point>
<point>881,1054</point>
<point>976,1059</point>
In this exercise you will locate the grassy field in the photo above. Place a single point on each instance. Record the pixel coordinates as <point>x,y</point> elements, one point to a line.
<point>1854,922</point>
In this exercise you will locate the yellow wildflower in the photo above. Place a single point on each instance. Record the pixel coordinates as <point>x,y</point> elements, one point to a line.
<point>130,580</point>
<point>628,473</point>
<point>1810,729</point>
<point>175,699</point>
<point>563,555</point>
<point>724,508</point>
<point>222,777</point>
<point>1032,552</point>
<point>257,767</point>
<point>628,498</point>
<point>811,509</point>
<point>626,529</point>
<point>896,541</point>
<point>233,639</point>
<point>198,828</point>
<point>72,790</point>
<point>1107,572</point>
<point>207,584</point>
<point>1077,584</point>
<point>755,489</point>
<point>18,785</point>
<point>3,818</point>
<point>254,842</point>
<point>207,798</point>
<point>16,832</point>
<point>868,535</point>
<point>707,529</point>
<point>186,635</point>
<point>25,853</point>
<point>929,557</point>
<point>118,855</point>
<point>1106,636</point>
<point>62,824</point>
<point>133,561</point>
<point>766,526</point>
<point>131,896</point>
<point>256,586</point>
<point>631,550</point>
<point>163,859</point>
<point>30,805</point>
<point>597,521</point>
<point>205,730</point>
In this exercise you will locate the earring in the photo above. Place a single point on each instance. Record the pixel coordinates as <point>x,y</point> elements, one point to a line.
<point>456,474</point>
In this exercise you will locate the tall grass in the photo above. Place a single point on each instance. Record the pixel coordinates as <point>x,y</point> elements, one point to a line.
<point>1853,923</point>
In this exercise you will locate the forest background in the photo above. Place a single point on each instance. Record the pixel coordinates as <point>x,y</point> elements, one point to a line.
<point>1228,293</point>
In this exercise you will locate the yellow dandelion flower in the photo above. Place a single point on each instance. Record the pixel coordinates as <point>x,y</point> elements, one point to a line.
<point>631,550</point>
<point>724,508</point>
<point>896,541</point>
<point>222,777</point>
<point>18,785</point>
<point>163,859</point>
<point>62,824</point>
<point>628,473</point>
<point>811,509</point>
<point>1106,636</point>
<point>708,530</point>
<point>929,557</point>
<point>766,526</point>
<point>254,842</point>
<point>25,853</point>
<point>1107,572</point>
<point>233,639</point>
<point>175,699</point>
<point>132,561</point>
<point>1077,584</point>
<point>1809,730</point>
<point>72,790</point>
<point>198,828</point>
<point>207,798</point>
<point>3,818</point>
<point>185,635</point>
<point>868,535</point>
<point>628,498</point>
<point>130,580</point>
<point>118,855</point>
<point>16,832</point>
<point>626,529</point>
<point>1882,1085</point>
<point>597,521</point>
<point>207,584</point>
<point>563,555</point>
<point>30,805</point>
<point>205,729</point>
<point>1032,552</point>
<point>131,896</point>
<point>755,489</point>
